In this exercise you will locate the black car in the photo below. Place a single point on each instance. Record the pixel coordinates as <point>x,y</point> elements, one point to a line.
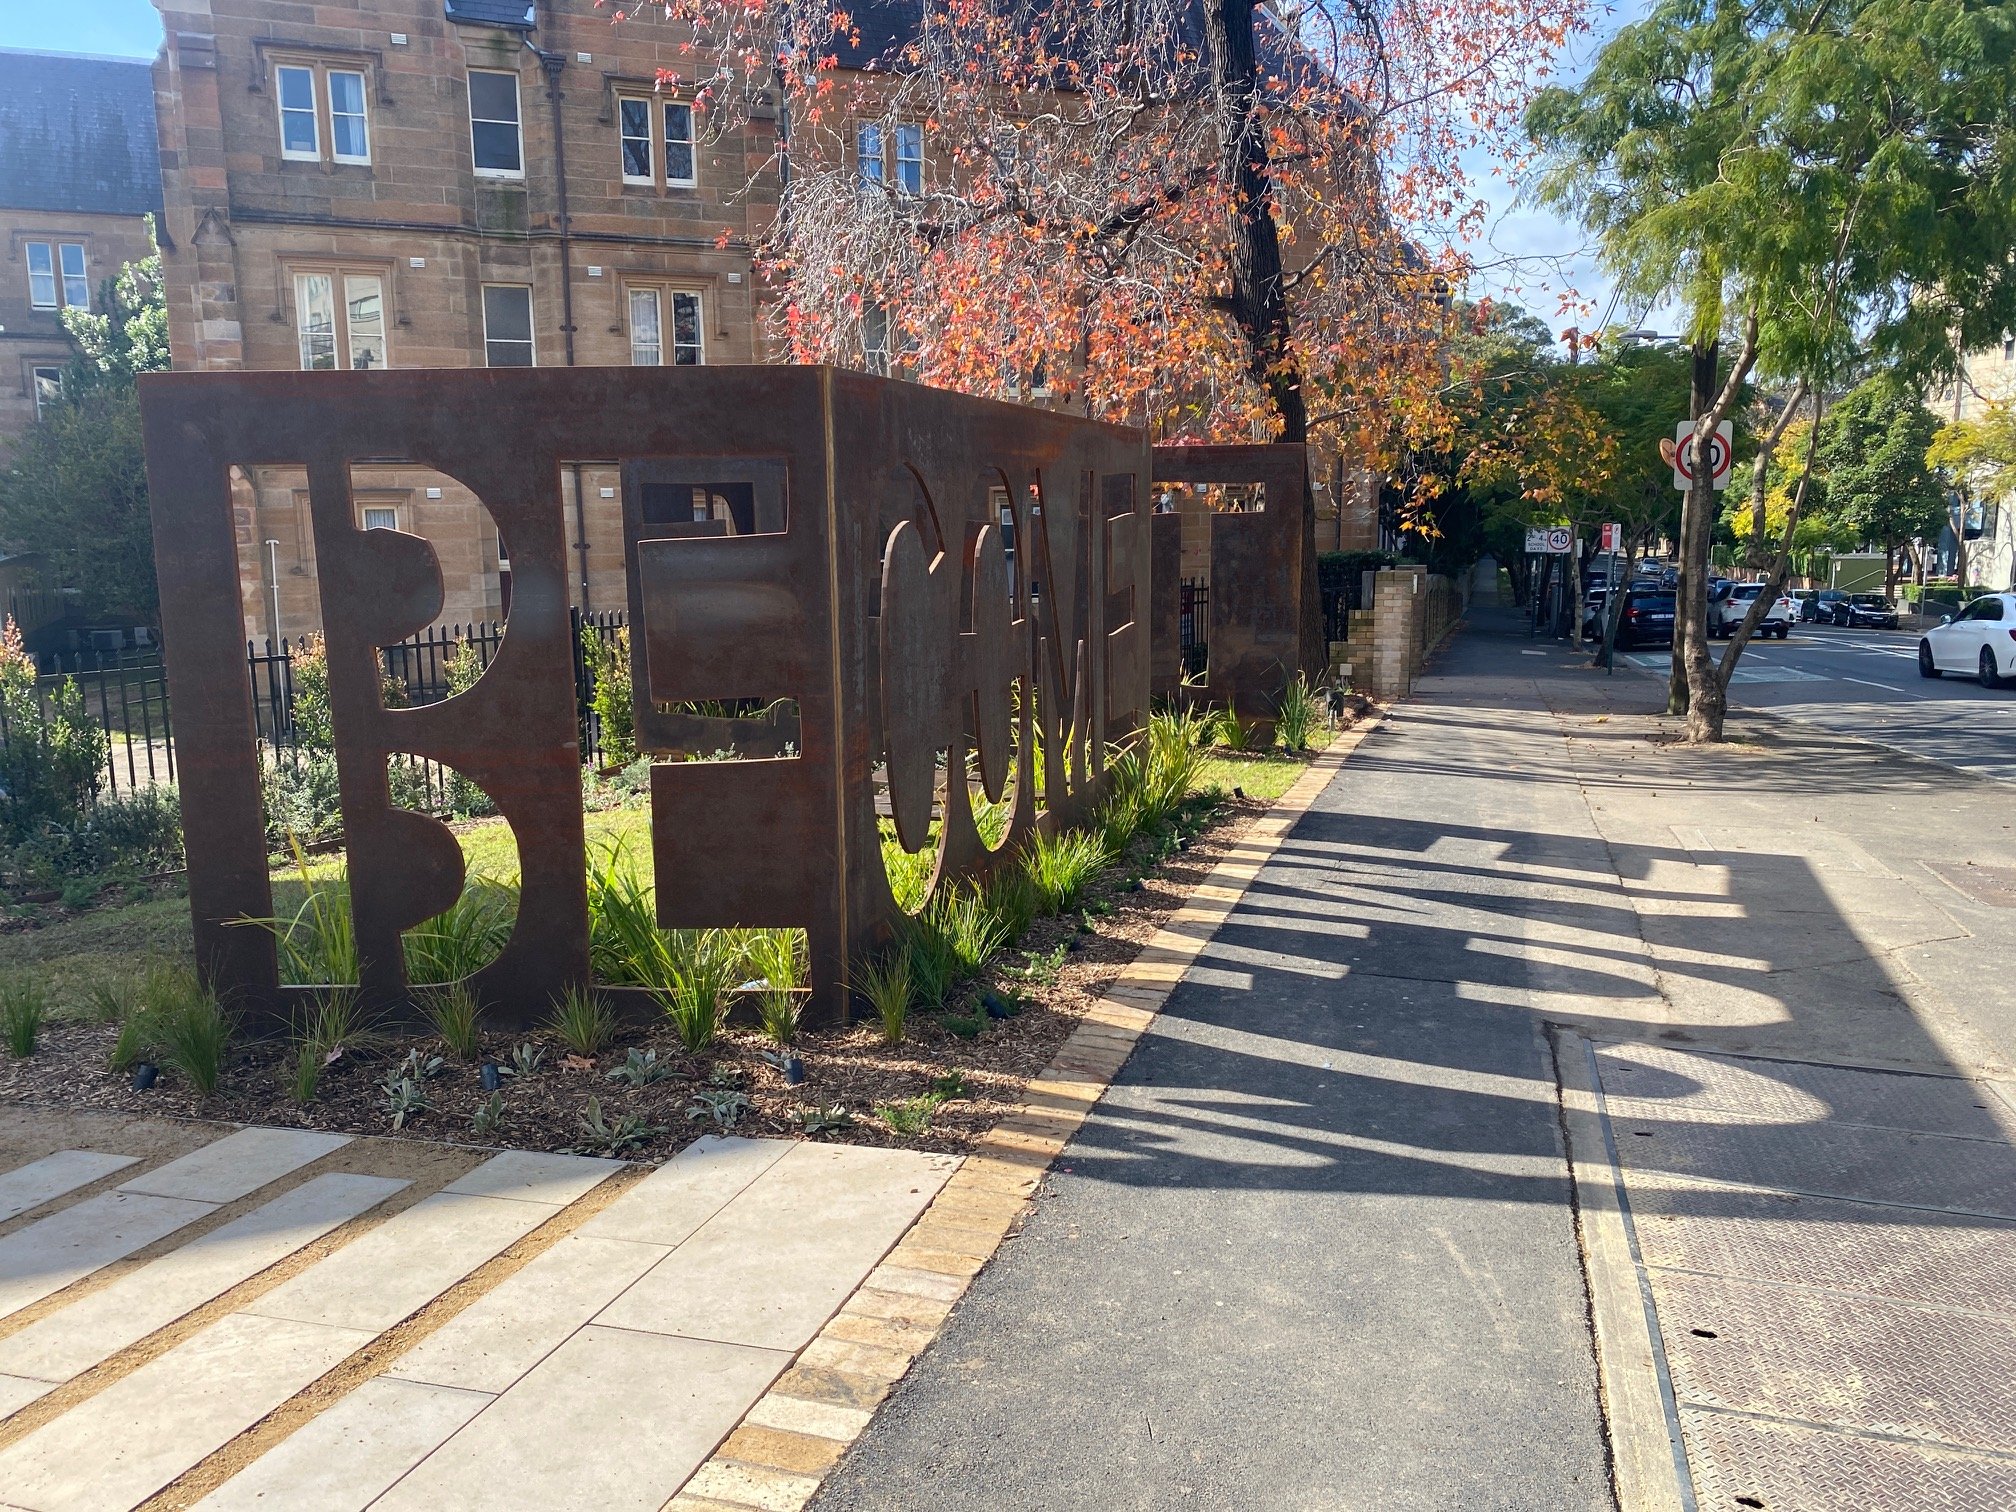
<point>1869,611</point>
<point>1647,618</point>
<point>1821,608</point>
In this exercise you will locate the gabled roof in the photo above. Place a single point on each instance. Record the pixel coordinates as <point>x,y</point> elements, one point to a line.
<point>512,13</point>
<point>77,134</point>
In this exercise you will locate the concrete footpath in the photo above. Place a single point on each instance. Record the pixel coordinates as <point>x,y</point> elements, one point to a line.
<point>1318,1247</point>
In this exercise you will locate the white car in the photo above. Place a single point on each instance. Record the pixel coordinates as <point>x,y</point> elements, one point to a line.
<point>1979,641</point>
<point>1727,608</point>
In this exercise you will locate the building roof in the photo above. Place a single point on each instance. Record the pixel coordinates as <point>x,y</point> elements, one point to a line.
<point>514,13</point>
<point>77,134</point>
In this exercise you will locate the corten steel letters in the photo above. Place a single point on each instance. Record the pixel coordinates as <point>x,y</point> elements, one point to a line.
<point>905,583</point>
<point>1262,596</point>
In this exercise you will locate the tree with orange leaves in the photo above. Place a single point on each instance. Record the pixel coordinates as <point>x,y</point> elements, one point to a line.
<point>1219,219</point>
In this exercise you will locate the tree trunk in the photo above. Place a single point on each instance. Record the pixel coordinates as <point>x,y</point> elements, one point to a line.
<point>1259,297</point>
<point>1690,598</point>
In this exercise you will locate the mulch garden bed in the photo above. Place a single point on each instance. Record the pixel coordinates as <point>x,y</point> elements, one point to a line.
<point>1056,972</point>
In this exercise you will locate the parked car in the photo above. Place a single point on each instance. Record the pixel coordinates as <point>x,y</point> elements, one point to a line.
<point>1801,597</point>
<point>1647,617</point>
<point>1868,611</point>
<point>1730,602</point>
<point>1980,640</point>
<point>1819,610</point>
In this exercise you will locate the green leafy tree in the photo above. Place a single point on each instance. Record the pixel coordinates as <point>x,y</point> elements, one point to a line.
<point>75,484</point>
<point>52,758</point>
<point>1800,177</point>
<point>1880,486</point>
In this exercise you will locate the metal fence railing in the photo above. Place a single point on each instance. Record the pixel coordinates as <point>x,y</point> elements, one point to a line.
<point>1193,625</point>
<point>126,694</point>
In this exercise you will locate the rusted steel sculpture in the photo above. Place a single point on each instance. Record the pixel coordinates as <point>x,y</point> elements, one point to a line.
<point>1262,598</point>
<point>936,595</point>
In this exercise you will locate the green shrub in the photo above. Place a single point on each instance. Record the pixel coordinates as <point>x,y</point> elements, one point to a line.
<point>52,760</point>
<point>301,798</point>
<point>1173,763</point>
<point>317,942</point>
<point>1300,714</point>
<point>704,965</point>
<point>1011,898</point>
<point>1060,865</point>
<point>971,929</point>
<point>625,945</point>
<point>456,1017</point>
<point>193,1034</point>
<point>887,985</point>
<point>909,871</point>
<point>24,1003</point>
<point>775,956</point>
<point>607,659</point>
<point>461,942</point>
<point>127,833</point>
<point>582,1022</point>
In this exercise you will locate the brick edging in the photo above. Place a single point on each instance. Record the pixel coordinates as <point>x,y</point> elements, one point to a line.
<point>777,1458</point>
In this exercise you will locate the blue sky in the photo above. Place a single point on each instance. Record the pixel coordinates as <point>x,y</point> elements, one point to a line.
<point>1533,250</point>
<point>116,28</point>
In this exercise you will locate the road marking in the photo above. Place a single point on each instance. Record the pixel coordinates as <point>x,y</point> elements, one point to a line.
<point>1886,687</point>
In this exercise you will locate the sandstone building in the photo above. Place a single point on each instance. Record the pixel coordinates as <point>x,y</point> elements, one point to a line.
<point>79,176</point>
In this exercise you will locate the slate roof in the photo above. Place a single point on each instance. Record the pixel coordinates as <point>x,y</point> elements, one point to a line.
<point>514,13</point>
<point>77,134</point>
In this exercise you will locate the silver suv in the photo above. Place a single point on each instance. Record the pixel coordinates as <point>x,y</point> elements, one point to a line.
<point>1728,603</point>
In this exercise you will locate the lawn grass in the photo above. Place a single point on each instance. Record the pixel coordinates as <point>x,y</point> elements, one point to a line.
<point>1264,775</point>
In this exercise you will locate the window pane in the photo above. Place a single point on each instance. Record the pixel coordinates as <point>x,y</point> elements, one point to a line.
<point>315,318</point>
<point>646,341</point>
<point>493,122</point>
<point>48,389</point>
<point>41,276</point>
<point>910,159</point>
<point>686,350</point>
<point>76,287</point>
<point>364,311</point>
<point>376,518</point>
<point>507,325</point>
<point>868,153</point>
<point>679,144</point>
<point>348,133</point>
<point>297,113</point>
<point>635,120</point>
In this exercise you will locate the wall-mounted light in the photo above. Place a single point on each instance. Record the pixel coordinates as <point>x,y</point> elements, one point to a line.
<point>608,493</point>
<point>593,271</point>
<point>416,262</point>
<point>398,39</point>
<point>433,493</point>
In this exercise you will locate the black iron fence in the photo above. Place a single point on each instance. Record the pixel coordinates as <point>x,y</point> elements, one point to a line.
<point>1193,625</point>
<point>126,694</point>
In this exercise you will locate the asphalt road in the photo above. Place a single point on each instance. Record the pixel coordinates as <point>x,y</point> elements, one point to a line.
<point>1865,683</point>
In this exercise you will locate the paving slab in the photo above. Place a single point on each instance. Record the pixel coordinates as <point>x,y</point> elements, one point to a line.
<point>668,1205</point>
<point>96,1327</point>
<point>54,1252</point>
<point>41,1181</point>
<point>774,1264</point>
<point>348,1456</point>
<point>504,1334</point>
<point>612,1420</point>
<point>112,1451</point>
<point>404,1263</point>
<point>534,1176</point>
<point>17,1392</point>
<point>236,1165</point>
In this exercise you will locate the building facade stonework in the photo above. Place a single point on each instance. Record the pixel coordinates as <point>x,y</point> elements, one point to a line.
<point>406,184</point>
<point>78,179</point>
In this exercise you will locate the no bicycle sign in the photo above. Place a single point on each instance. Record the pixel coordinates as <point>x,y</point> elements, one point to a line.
<point>1679,451</point>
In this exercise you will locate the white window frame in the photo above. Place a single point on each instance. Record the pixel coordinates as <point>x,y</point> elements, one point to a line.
<point>649,178</point>
<point>35,372</point>
<point>908,134</point>
<point>691,142</point>
<point>313,152</point>
<point>362,115</point>
<point>531,343</point>
<point>48,251</point>
<point>645,299</point>
<point>664,301</point>
<point>77,285</point>
<point>343,295</point>
<point>365,511</point>
<point>517,125</point>
<point>870,172</point>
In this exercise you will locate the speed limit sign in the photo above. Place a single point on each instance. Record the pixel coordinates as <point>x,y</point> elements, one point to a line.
<point>1721,452</point>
